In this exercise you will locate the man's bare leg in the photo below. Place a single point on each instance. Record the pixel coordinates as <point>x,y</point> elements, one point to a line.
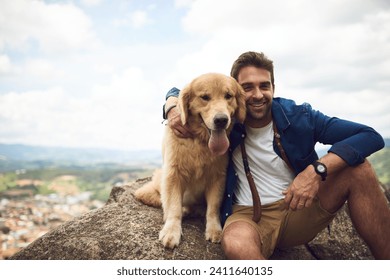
<point>240,241</point>
<point>367,204</point>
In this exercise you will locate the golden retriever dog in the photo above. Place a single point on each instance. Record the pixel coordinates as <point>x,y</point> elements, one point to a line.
<point>194,169</point>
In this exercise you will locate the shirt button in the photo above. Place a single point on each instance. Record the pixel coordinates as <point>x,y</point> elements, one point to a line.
<point>227,214</point>
<point>228,195</point>
<point>243,135</point>
<point>235,174</point>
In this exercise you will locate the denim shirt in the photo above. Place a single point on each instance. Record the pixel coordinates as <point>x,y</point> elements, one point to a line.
<point>300,128</point>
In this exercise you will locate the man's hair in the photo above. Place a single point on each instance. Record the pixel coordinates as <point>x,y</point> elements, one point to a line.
<point>255,59</point>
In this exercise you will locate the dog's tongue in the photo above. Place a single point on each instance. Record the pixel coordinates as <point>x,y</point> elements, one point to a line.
<point>218,142</point>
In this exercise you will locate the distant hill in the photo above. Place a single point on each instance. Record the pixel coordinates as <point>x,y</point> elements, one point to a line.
<point>16,156</point>
<point>381,163</point>
<point>11,154</point>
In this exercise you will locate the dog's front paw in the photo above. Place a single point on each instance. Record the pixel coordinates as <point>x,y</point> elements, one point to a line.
<point>170,236</point>
<point>214,234</point>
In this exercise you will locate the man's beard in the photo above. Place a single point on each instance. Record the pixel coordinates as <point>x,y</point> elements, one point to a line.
<point>258,115</point>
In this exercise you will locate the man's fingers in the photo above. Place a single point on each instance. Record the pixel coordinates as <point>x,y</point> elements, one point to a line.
<point>295,202</point>
<point>301,204</point>
<point>181,131</point>
<point>308,203</point>
<point>287,198</point>
<point>177,132</point>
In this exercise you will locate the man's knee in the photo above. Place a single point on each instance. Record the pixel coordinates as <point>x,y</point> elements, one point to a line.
<point>238,239</point>
<point>231,246</point>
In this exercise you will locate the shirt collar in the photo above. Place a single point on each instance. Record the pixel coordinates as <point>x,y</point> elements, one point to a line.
<point>279,116</point>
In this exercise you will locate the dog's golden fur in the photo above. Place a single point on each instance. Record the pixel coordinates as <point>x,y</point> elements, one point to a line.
<point>194,169</point>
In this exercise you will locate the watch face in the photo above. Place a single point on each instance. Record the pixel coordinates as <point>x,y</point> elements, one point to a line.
<point>321,168</point>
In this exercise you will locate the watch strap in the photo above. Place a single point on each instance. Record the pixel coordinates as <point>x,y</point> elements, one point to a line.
<point>323,174</point>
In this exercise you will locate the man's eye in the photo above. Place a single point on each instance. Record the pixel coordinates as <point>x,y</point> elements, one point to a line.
<point>247,87</point>
<point>228,96</point>
<point>205,97</point>
<point>265,86</point>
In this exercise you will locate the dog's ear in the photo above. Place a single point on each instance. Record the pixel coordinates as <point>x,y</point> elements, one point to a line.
<point>241,105</point>
<point>184,102</point>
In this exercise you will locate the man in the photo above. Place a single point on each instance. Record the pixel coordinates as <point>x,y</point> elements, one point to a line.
<point>300,194</point>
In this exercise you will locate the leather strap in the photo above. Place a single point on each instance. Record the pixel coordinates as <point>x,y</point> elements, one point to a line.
<point>280,147</point>
<point>255,195</point>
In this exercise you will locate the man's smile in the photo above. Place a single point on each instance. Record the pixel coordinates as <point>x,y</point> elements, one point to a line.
<point>257,104</point>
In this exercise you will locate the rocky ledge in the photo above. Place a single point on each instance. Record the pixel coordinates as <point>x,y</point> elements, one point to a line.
<point>128,230</point>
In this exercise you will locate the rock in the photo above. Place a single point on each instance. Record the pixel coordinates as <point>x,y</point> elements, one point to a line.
<point>340,242</point>
<point>126,229</point>
<point>5,229</point>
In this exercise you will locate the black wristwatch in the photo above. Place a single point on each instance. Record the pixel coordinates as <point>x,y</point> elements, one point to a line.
<point>320,169</point>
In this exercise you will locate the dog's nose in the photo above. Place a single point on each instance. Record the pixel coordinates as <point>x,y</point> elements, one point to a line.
<point>220,121</point>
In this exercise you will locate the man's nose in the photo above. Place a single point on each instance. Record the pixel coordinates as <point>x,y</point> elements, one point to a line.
<point>258,93</point>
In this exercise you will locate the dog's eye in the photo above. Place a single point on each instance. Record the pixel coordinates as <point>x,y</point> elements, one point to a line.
<point>205,97</point>
<point>228,96</point>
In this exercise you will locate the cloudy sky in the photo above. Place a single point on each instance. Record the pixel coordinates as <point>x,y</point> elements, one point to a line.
<point>94,73</point>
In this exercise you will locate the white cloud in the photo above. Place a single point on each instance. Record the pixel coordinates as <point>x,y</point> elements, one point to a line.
<point>26,116</point>
<point>136,20</point>
<point>91,3</point>
<point>55,27</point>
<point>261,15</point>
<point>41,69</point>
<point>183,3</point>
<point>139,19</point>
<point>334,54</point>
<point>5,65</point>
<point>115,115</point>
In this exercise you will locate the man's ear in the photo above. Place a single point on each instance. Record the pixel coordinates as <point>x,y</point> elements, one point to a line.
<point>241,105</point>
<point>184,102</point>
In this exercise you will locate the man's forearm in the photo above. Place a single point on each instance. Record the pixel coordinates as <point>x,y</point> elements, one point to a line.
<point>333,162</point>
<point>170,105</point>
<point>171,101</point>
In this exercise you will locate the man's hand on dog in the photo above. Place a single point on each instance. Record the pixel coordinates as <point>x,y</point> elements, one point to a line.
<point>175,124</point>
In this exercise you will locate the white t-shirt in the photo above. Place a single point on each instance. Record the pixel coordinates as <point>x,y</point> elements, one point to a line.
<point>270,173</point>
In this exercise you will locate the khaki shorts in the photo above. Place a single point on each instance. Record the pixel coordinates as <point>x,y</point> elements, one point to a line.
<point>280,227</point>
